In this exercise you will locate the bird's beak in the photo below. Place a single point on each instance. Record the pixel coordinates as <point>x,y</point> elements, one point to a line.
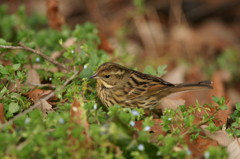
<point>93,76</point>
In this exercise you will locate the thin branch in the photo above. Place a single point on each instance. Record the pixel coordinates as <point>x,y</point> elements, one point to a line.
<point>36,105</point>
<point>37,52</point>
<point>203,122</point>
<point>10,47</point>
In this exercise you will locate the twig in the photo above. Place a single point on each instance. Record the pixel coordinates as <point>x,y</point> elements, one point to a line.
<point>203,122</point>
<point>37,52</point>
<point>38,102</point>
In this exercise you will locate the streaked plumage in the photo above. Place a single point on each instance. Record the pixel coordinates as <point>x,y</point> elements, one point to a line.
<point>119,85</point>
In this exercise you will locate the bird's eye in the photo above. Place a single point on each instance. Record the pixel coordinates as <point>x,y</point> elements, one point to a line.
<point>107,76</point>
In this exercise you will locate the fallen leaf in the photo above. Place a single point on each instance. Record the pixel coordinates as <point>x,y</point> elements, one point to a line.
<point>45,106</point>
<point>78,116</point>
<point>218,87</point>
<point>155,130</point>
<point>36,94</point>
<point>76,112</point>
<point>234,95</point>
<point>104,45</point>
<point>32,77</point>
<point>2,117</point>
<point>70,41</point>
<point>15,86</point>
<point>200,145</point>
<point>176,75</point>
<point>167,103</point>
<point>233,149</point>
<point>219,91</point>
<point>221,136</point>
<point>55,20</point>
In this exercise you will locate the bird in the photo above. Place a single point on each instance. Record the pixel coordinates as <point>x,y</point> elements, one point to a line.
<point>119,85</point>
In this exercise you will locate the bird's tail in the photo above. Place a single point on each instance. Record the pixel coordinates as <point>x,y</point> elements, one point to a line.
<point>191,86</point>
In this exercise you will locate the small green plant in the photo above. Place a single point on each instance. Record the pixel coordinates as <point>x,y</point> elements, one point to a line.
<point>234,128</point>
<point>161,70</point>
<point>78,125</point>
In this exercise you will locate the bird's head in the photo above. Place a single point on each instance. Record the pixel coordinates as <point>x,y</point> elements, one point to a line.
<point>111,75</point>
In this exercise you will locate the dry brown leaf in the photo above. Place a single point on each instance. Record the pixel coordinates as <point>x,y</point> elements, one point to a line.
<point>219,91</point>
<point>70,41</point>
<point>2,117</point>
<point>221,136</point>
<point>55,20</point>
<point>155,130</point>
<point>75,112</point>
<point>32,77</point>
<point>224,139</point>
<point>36,94</point>
<point>176,75</point>
<point>234,95</point>
<point>218,87</point>
<point>45,106</point>
<point>234,149</point>
<point>167,103</point>
<point>55,55</point>
<point>15,86</point>
<point>78,116</point>
<point>104,45</point>
<point>200,145</point>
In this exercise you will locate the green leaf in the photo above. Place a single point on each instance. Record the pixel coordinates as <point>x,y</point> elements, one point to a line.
<point>16,66</point>
<point>223,107</point>
<point>238,106</point>
<point>13,107</point>
<point>4,42</point>
<point>212,127</point>
<point>87,72</point>
<point>161,70</point>
<point>150,70</point>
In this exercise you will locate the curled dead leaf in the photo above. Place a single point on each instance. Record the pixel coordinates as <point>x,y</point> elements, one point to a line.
<point>36,94</point>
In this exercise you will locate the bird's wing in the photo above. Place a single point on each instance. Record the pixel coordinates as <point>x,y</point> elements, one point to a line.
<point>139,87</point>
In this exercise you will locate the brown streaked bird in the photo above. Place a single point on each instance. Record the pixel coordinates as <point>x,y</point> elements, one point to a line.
<point>117,84</point>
